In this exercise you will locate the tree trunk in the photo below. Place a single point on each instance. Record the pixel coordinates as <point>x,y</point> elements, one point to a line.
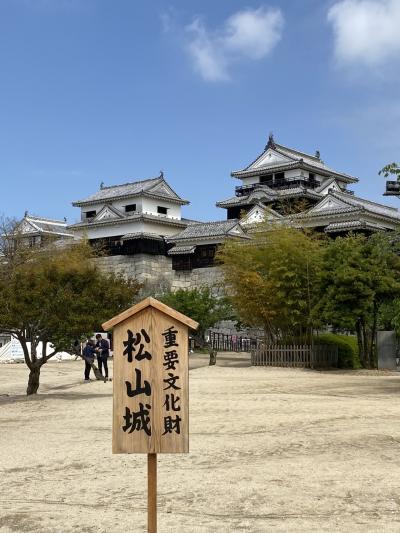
<point>33,381</point>
<point>360,342</point>
<point>369,333</point>
<point>372,350</point>
<point>365,346</point>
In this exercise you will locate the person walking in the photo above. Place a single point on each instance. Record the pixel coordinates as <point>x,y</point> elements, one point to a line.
<point>103,353</point>
<point>88,355</point>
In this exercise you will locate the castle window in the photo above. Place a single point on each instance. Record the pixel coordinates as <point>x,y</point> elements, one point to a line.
<point>267,178</point>
<point>162,210</point>
<point>279,176</point>
<point>130,208</point>
<point>90,214</point>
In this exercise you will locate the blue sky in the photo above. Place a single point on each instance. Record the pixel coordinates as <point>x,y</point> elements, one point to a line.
<point>113,91</point>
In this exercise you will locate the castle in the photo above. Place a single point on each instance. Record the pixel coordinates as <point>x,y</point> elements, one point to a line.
<point>141,227</point>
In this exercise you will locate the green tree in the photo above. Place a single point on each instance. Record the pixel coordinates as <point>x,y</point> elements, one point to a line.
<point>359,275</point>
<point>56,296</point>
<point>271,279</point>
<point>201,305</point>
<point>392,169</point>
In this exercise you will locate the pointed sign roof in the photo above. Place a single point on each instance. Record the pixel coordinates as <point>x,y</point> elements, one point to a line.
<point>150,302</point>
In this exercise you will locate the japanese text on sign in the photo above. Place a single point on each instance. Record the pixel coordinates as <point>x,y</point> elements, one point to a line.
<point>140,420</point>
<point>171,380</point>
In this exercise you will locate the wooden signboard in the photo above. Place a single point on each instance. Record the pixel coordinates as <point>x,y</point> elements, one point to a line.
<point>150,383</point>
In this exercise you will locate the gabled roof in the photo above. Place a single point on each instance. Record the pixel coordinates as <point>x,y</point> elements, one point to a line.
<point>368,205</point>
<point>329,204</point>
<point>153,187</point>
<point>135,217</point>
<point>234,201</point>
<point>107,212</point>
<point>32,224</point>
<point>298,191</point>
<point>350,225</point>
<point>141,235</point>
<point>203,230</point>
<point>278,158</point>
<point>182,250</point>
<point>156,304</point>
<point>337,203</point>
<point>260,212</point>
<point>44,220</point>
<point>266,194</point>
<point>326,184</point>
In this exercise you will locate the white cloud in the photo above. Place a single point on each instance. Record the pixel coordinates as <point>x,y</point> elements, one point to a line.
<point>366,32</point>
<point>168,20</point>
<point>247,34</point>
<point>208,56</point>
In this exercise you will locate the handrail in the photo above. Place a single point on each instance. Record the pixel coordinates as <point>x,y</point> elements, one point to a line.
<point>242,190</point>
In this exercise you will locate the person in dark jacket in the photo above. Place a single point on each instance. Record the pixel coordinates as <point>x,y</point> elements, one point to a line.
<point>88,354</point>
<point>103,353</point>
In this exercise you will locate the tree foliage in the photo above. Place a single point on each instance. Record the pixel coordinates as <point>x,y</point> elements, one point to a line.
<point>291,282</point>
<point>389,316</point>
<point>271,279</point>
<point>392,169</point>
<point>56,296</point>
<point>359,274</point>
<point>199,304</point>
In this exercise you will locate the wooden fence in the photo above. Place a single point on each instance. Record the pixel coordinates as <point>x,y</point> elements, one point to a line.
<point>231,343</point>
<point>295,356</point>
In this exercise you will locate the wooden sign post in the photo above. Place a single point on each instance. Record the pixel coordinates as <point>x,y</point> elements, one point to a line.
<point>150,386</point>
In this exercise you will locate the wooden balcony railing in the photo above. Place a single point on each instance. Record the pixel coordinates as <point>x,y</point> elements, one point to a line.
<point>392,188</point>
<point>243,190</point>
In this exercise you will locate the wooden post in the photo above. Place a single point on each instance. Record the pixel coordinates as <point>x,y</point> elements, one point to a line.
<point>152,493</point>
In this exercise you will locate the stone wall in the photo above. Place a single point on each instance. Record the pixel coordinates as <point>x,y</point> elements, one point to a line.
<point>198,277</point>
<point>155,271</point>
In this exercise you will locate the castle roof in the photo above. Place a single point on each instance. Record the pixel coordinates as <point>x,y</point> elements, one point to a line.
<point>182,250</point>
<point>204,230</point>
<point>278,158</point>
<point>138,235</point>
<point>35,225</point>
<point>135,217</point>
<point>351,225</point>
<point>266,194</point>
<point>153,187</point>
<point>336,203</point>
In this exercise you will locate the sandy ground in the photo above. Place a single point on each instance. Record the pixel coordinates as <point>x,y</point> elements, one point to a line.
<point>271,450</point>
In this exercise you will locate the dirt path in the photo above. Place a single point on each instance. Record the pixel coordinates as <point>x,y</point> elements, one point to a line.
<point>271,450</point>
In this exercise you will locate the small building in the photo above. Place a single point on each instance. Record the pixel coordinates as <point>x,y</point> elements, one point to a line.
<point>279,177</point>
<point>39,231</point>
<point>285,184</point>
<point>196,246</point>
<point>132,218</point>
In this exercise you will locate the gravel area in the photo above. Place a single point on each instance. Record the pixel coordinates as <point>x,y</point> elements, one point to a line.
<point>272,449</point>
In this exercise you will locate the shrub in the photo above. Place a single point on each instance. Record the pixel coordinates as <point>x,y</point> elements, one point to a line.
<point>347,348</point>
